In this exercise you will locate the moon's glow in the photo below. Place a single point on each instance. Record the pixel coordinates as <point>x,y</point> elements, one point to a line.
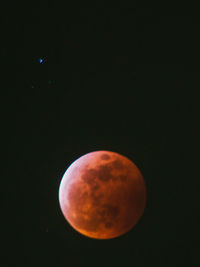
<point>102,194</point>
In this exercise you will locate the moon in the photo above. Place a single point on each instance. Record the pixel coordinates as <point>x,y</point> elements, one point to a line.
<point>102,195</point>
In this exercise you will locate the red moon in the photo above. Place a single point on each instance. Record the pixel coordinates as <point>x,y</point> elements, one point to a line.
<point>102,195</point>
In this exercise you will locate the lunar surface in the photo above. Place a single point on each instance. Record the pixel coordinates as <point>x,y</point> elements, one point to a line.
<point>102,195</point>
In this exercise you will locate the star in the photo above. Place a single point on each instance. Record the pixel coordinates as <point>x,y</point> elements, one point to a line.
<point>41,60</point>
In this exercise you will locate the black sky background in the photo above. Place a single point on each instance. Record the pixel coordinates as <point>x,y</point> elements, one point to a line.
<point>119,79</point>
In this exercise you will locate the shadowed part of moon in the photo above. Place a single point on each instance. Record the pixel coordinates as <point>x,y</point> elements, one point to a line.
<point>100,212</point>
<point>103,172</point>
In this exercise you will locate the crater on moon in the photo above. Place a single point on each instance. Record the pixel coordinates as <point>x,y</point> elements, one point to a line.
<point>105,157</point>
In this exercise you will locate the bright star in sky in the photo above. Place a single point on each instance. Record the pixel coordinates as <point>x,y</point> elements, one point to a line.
<point>41,60</point>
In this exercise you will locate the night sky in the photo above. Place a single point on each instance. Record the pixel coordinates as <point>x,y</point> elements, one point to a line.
<point>86,79</point>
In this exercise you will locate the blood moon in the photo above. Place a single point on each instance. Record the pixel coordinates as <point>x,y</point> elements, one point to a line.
<point>102,194</point>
